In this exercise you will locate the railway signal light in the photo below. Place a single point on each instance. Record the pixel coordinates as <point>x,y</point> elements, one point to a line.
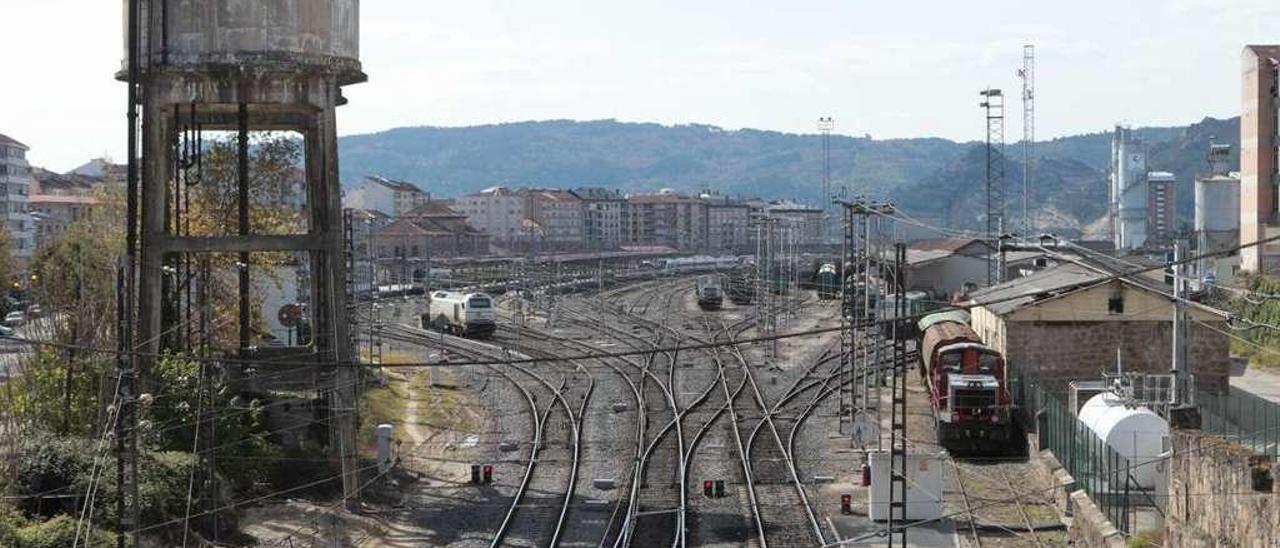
<point>846,504</point>
<point>475,474</point>
<point>719,488</point>
<point>488,473</point>
<point>708,488</point>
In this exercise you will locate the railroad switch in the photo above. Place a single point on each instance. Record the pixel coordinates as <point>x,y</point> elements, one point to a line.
<point>708,488</point>
<point>488,474</point>
<point>846,504</point>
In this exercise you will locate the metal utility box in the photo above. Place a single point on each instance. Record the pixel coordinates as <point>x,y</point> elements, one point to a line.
<point>924,485</point>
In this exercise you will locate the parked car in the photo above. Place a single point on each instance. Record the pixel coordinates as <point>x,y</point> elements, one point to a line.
<point>15,319</point>
<point>5,332</point>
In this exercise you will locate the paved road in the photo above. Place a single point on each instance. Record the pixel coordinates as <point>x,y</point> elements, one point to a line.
<point>1264,383</point>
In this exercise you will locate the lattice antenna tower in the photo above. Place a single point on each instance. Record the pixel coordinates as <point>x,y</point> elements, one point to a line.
<point>825,125</point>
<point>993,107</point>
<point>1028,75</point>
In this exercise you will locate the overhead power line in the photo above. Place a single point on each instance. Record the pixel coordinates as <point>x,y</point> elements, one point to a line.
<point>696,346</point>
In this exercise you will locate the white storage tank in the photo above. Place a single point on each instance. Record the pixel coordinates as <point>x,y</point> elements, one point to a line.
<point>1136,433</point>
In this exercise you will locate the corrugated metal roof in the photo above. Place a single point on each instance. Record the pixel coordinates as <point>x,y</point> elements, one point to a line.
<point>917,257</point>
<point>950,244</point>
<point>1012,295</point>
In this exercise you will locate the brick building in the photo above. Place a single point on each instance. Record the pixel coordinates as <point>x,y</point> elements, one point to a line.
<point>1161,223</point>
<point>1067,323</point>
<point>57,201</point>
<point>1259,172</point>
<point>432,231</point>
<point>666,219</point>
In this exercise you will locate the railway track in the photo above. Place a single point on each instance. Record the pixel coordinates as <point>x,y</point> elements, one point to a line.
<point>656,502</point>
<point>694,413</point>
<point>1000,513</point>
<point>528,523</point>
<point>693,418</point>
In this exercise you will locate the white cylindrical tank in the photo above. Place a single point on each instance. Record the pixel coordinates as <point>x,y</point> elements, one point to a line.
<point>1218,204</point>
<point>1136,433</point>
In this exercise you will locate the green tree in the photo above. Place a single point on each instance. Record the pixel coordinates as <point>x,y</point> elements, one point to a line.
<point>213,211</point>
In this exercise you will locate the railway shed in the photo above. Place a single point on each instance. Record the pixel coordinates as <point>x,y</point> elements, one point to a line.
<point>1069,322</point>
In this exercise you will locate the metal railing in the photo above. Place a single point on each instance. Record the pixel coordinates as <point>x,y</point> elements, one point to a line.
<point>1106,475</point>
<point>1246,418</point>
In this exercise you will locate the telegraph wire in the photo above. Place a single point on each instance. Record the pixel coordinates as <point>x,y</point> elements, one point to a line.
<point>698,346</point>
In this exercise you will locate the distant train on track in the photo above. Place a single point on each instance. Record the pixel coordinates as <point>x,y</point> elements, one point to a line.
<point>827,281</point>
<point>741,286</point>
<point>710,293</point>
<point>464,314</point>
<point>917,303</point>
<point>968,385</point>
<point>697,263</point>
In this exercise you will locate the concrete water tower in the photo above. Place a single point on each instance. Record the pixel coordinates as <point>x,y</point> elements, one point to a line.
<point>236,67</point>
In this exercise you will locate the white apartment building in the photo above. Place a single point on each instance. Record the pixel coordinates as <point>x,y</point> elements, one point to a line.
<point>391,197</point>
<point>809,222</point>
<point>499,211</point>
<point>15,188</point>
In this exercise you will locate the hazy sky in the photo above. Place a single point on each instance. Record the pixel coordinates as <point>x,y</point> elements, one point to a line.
<point>890,69</point>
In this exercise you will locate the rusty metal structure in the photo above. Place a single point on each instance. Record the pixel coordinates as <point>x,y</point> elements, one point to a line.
<point>194,67</point>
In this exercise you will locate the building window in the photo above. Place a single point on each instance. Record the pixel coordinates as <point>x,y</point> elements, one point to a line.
<point>1115,304</point>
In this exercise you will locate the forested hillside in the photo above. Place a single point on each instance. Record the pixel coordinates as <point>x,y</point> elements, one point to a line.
<point>929,177</point>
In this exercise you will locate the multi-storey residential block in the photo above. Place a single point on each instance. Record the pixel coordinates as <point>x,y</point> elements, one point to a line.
<point>602,214</point>
<point>728,225</point>
<point>667,219</point>
<point>1161,188</point>
<point>1259,157</point>
<point>809,223</point>
<point>394,198</point>
<point>559,214</point>
<point>15,184</point>
<point>499,211</point>
<point>57,201</point>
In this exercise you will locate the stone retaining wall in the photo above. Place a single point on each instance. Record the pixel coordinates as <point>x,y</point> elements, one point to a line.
<point>1219,494</point>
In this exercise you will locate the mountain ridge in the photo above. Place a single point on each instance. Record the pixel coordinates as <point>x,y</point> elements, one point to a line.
<point>931,177</point>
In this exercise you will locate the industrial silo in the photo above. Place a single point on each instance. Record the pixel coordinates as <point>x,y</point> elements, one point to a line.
<point>1129,189</point>
<point>1218,204</point>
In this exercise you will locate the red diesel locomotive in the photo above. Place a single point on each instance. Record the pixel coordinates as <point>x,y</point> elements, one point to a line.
<point>968,385</point>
